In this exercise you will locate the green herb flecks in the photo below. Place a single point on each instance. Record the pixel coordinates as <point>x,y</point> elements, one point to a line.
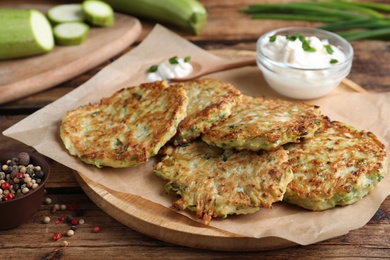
<point>272,38</point>
<point>333,61</point>
<point>152,68</point>
<point>95,113</point>
<point>329,49</point>
<point>173,60</point>
<point>305,43</point>
<point>294,36</point>
<point>118,142</point>
<point>306,47</point>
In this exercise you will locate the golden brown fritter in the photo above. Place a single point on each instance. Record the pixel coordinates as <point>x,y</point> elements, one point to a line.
<point>259,123</point>
<point>209,101</point>
<point>338,166</point>
<point>127,128</point>
<point>216,182</point>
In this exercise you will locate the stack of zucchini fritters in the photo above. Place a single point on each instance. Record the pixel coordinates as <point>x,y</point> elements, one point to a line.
<point>227,153</point>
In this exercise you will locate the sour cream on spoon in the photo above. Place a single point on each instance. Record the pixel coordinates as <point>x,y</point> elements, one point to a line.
<point>173,68</point>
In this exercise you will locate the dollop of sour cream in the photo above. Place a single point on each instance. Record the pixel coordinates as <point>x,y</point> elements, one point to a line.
<point>306,53</point>
<point>173,68</point>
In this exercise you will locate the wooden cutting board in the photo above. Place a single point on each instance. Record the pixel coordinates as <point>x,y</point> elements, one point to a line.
<point>22,77</point>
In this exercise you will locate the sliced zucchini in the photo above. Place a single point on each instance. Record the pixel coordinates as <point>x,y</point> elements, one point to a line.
<point>73,33</point>
<point>66,13</point>
<point>98,13</point>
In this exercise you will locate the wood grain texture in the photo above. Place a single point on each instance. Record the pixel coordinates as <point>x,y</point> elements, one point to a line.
<point>25,76</point>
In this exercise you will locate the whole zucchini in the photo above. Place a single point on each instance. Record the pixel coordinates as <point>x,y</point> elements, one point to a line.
<point>186,14</point>
<point>24,32</point>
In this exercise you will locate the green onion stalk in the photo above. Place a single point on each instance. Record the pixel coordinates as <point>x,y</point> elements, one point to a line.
<point>353,20</point>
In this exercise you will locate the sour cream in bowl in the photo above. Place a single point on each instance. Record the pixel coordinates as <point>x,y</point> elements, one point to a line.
<point>303,63</point>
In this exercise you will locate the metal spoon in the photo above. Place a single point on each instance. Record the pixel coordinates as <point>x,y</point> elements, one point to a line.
<point>200,69</point>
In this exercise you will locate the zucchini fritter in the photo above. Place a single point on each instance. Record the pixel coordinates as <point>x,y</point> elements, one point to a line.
<point>127,128</point>
<point>258,123</point>
<point>216,182</point>
<point>209,100</point>
<point>338,166</point>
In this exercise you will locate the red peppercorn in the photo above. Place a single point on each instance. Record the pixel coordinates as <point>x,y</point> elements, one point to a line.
<point>9,196</point>
<point>74,222</point>
<point>96,229</point>
<point>57,236</point>
<point>5,185</point>
<point>20,175</point>
<point>59,220</point>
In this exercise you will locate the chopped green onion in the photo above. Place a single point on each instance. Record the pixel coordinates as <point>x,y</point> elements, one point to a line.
<point>173,60</point>
<point>295,36</point>
<point>306,46</point>
<point>291,38</point>
<point>333,61</point>
<point>305,43</point>
<point>329,49</point>
<point>272,38</point>
<point>152,68</point>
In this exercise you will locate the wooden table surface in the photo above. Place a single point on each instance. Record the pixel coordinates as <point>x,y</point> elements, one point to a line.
<point>227,29</point>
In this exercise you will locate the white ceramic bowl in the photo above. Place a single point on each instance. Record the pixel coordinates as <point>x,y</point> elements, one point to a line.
<point>301,83</point>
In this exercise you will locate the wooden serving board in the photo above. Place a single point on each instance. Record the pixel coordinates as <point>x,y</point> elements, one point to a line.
<point>166,224</point>
<point>25,76</point>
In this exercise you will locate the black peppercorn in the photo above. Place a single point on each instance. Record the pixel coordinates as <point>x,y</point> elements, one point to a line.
<point>16,186</point>
<point>74,228</point>
<point>68,218</point>
<point>39,174</point>
<point>8,169</point>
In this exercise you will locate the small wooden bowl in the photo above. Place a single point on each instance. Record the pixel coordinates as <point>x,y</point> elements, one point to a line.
<point>19,210</point>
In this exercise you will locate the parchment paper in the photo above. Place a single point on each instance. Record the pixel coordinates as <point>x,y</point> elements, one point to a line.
<point>367,111</point>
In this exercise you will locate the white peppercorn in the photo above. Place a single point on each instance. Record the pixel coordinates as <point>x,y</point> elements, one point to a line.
<point>70,233</point>
<point>48,201</point>
<point>46,220</point>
